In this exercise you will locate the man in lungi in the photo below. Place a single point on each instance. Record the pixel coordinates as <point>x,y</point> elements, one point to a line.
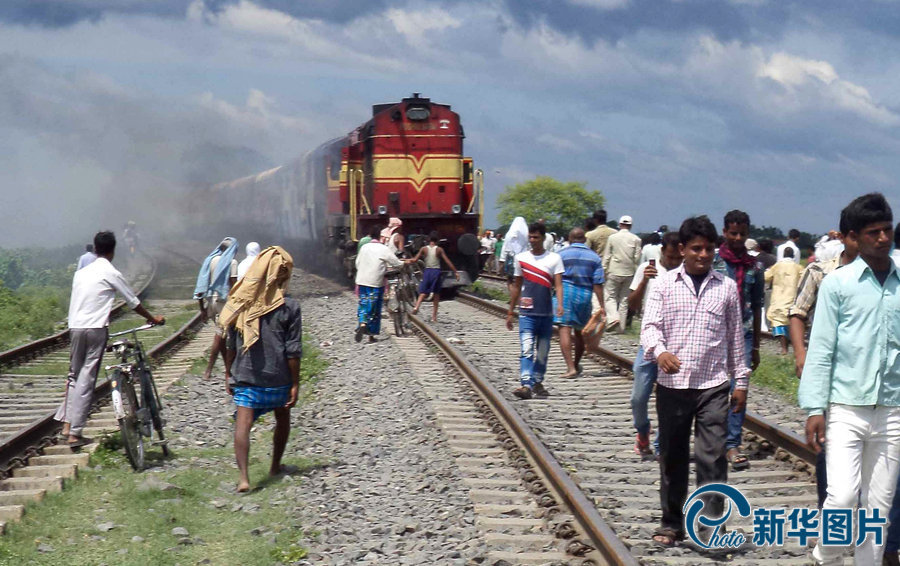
<point>433,253</point>
<point>263,347</point>
<point>582,278</point>
<point>372,262</point>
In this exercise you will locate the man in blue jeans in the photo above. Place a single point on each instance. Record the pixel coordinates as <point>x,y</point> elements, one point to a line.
<point>537,272</point>
<point>645,371</point>
<point>734,262</point>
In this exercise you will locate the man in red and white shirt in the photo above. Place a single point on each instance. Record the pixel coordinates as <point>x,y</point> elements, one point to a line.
<point>692,328</point>
<point>537,273</point>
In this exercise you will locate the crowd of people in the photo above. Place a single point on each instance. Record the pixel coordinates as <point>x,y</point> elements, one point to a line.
<point>702,296</point>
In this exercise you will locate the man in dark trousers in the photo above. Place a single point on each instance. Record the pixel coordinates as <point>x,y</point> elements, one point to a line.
<point>263,348</point>
<point>692,328</point>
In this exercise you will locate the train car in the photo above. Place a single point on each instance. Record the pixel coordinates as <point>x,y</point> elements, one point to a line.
<point>407,162</point>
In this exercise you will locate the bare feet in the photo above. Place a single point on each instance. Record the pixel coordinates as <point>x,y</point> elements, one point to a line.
<point>283,470</point>
<point>65,429</point>
<point>415,310</point>
<point>208,373</point>
<point>243,486</point>
<point>570,374</point>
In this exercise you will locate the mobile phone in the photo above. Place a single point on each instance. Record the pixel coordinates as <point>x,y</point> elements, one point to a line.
<point>653,263</point>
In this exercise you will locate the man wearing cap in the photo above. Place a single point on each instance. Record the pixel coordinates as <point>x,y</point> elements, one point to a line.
<point>620,260</point>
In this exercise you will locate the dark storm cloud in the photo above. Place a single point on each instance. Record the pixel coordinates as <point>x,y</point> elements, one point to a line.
<point>63,13</point>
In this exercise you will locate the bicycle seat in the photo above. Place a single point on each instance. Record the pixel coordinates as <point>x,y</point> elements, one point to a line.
<point>119,344</point>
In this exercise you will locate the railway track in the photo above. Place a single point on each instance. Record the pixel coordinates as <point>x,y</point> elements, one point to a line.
<point>576,448</point>
<point>32,386</point>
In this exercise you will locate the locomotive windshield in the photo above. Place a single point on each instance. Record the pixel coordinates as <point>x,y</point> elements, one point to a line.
<point>417,113</point>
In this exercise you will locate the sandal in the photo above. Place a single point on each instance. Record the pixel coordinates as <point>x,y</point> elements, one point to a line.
<point>737,460</point>
<point>667,537</point>
<point>82,441</point>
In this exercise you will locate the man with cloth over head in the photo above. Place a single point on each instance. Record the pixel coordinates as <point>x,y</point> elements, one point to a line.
<point>583,276</point>
<point>262,358</point>
<point>94,289</point>
<point>217,275</point>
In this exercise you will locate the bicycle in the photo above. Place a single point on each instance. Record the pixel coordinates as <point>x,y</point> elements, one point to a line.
<point>135,398</point>
<point>402,286</point>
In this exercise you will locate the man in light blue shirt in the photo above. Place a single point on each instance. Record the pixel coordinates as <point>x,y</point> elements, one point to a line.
<point>853,370</point>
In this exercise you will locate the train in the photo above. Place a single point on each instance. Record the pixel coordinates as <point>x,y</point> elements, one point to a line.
<point>406,162</point>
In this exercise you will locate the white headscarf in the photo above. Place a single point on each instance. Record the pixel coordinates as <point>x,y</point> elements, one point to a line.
<point>516,240</point>
<point>252,251</point>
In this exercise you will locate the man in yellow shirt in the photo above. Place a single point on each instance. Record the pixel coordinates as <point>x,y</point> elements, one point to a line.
<point>784,277</point>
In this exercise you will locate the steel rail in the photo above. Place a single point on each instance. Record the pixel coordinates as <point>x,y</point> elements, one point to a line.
<point>32,349</point>
<point>36,435</point>
<point>780,437</point>
<point>601,536</point>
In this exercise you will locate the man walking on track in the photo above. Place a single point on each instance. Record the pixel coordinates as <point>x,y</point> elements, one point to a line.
<point>536,273</point>
<point>263,350</point>
<point>852,370</point>
<point>372,262</point>
<point>734,262</point>
<point>583,277</point>
<point>645,371</point>
<point>620,260</point>
<point>432,275</point>
<point>217,276</point>
<point>94,289</point>
<point>692,328</point>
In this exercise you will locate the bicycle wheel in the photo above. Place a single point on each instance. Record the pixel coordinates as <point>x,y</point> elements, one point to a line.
<point>152,402</point>
<point>130,424</point>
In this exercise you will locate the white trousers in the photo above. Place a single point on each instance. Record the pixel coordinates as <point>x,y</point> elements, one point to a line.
<point>862,458</point>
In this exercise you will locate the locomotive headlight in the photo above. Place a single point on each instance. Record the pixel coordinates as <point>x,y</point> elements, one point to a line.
<point>382,209</point>
<point>456,209</point>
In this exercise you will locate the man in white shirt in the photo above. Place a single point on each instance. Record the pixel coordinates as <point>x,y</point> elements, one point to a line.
<point>372,262</point>
<point>793,237</point>
<point>87,257</point>
<point>620,260</point>
<point>646,371</point>
<point>94,289</point>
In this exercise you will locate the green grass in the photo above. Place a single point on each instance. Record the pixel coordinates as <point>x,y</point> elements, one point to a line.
<point>777,374</point>
<point>480,288</point>
<point>110,493</point>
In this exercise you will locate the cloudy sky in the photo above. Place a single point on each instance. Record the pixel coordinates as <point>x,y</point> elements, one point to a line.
<point>785,109</point>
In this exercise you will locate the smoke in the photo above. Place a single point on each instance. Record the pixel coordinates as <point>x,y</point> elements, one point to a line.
<point>80,153</point>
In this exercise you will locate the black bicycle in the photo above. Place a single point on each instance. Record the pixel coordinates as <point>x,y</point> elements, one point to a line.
<point>135,398</point>
<point>402,285</point>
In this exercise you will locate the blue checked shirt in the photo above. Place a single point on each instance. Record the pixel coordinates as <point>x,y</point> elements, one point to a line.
<point>584,268</point>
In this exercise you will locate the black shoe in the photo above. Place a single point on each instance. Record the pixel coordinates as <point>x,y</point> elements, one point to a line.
<point>539,390</point>
<point>360,331</point>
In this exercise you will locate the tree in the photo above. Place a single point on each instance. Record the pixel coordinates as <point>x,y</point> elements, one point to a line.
<point>562,205</point>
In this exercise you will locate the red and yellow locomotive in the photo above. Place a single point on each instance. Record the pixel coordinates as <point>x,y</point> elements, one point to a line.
<point>406,162</point>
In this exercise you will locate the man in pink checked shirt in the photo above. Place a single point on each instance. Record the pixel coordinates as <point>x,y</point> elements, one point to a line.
<point>692,328</point>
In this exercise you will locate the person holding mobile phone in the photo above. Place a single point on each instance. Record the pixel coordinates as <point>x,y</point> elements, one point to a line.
<point>645,371</point>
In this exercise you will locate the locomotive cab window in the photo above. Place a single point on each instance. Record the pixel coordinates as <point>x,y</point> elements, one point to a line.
<point>467,172</point>
<point>417,113</point>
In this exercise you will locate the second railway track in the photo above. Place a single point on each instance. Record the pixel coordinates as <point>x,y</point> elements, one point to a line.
<point>585,427</point>
<point>33,378</point>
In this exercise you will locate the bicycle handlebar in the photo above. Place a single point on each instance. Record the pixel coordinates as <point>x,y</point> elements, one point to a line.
<point>147,326</point>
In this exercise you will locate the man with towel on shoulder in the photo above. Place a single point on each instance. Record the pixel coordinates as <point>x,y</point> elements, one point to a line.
<point>263,347</point>
<point>217,275</point>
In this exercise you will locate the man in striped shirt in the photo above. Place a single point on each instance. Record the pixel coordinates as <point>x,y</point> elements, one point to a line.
<point>692,328</point>
<point>536,273</point>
